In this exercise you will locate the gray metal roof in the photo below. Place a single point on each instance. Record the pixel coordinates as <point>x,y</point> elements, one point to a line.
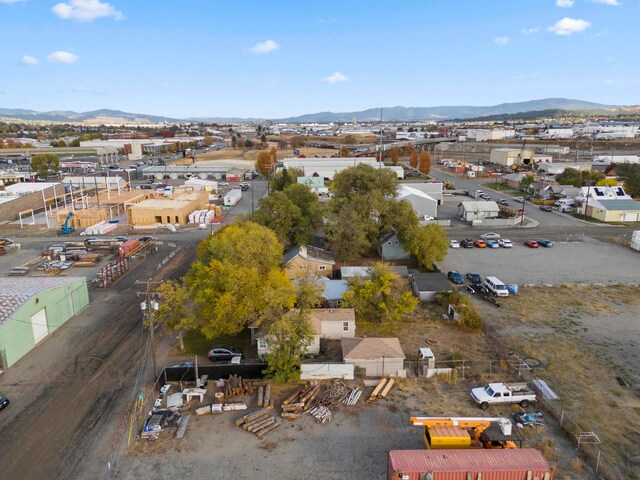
<point>431,282</point>
<point>621,204</point>
<point>15,292</point>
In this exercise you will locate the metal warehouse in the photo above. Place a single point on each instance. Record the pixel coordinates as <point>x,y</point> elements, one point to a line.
<point>517,464</point>
<point>32,308</point>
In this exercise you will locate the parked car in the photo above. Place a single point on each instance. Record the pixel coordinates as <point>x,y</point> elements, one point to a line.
<point>505,243</point>
<point>4,402</point>
<point>6,241</point>
<point>545,208</point>
<point>454,244</point>
<point>490,236</point>
<point>455,277</point>
<point>467,243</point>
<point>474,278</point>
<point>531,244</point>
<point>519,199</point>
<point>503,202</point>
<point>223,353</point>
<point>492,244</point>
<point>497,393</point>
<point>545,243</point>
<point>479,244</point>
<point>484,196</point>
<point>223,184</point>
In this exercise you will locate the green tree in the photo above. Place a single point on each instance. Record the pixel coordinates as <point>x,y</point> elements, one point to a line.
<point>630,175</point>
<point>237,280</point>
<point>526,181</point>
<point>289,336</point>
<point>175,308</point>
<point>572,176</point>
<point>281,215</point>
<point>306,201</point>
<point>350,140</point>
<point>263,138</point>
<point>428,244</point>
<point>284,178</point>
<point>346,234</point>
<point>44,162</point>
<point>384,297</point>
<point>344,152</point>
<point>248,143</point>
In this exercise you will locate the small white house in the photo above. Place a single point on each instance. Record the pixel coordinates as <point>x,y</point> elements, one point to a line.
<point>378,356</point>
<point>327,323</point>
<point>478,211</point>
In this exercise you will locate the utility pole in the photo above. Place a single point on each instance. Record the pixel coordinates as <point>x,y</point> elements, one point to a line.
<point>148,307</point>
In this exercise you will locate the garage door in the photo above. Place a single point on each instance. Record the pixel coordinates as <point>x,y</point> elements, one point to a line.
<point>39,325</point>
<point>630,217</point>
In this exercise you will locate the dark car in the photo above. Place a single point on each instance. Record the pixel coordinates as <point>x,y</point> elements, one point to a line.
<point>455,277</point>
<point>531,244</point>
<point>4,401</point>
<point>466,243</point>
<point>223,353</point>
<point>474,278</point>
<point>545,208</point>
<point>545,243</point>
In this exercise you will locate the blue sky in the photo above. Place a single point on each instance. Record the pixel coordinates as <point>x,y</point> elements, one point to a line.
<point>274,58</point>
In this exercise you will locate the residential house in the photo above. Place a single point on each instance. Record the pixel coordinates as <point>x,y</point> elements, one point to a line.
<point>423,204</point>
<point>608,204</point>
<point>377,356</point>
<point>390,247</point>
<point>305,258</point>
<point>554,190</point>
<point>476,211</point>
<point>327,323</point>
<point>333,291</point>
<point>315,184</point>
<point>427,285</point>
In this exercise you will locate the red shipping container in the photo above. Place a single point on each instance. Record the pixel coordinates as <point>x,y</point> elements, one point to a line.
<point>129,248</point>
<point>458,464</point>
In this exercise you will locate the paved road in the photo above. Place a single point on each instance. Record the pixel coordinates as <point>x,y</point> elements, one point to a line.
<point>69,394</point>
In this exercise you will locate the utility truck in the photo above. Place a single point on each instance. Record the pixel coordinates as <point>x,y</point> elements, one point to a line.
<point>498,393</point>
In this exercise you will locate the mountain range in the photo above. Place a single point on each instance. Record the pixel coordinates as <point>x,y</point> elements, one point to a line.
<point>390,114</point>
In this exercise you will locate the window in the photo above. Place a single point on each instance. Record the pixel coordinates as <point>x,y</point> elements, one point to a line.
<point>345,326</point>
<point>322,267</point>
<point>395,243</point>
<point>262,344</point>
<point>497,395</point>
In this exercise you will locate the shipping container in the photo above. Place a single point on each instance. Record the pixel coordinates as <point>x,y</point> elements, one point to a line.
<point>129,248</point>
<point>517,464</point>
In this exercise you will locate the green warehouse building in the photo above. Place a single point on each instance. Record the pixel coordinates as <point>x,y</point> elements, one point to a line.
<point>32,308</point>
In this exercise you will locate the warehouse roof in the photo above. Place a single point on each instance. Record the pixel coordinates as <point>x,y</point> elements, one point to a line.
<point>480,460</point>
<point>371,348</point>
<point>621,204</point>
<point>15,292</point>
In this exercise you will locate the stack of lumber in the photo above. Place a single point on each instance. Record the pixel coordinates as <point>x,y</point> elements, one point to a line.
<point>235,386</point>
<point>300,401</point>
<point>321,413</point>
<point>259,422</point>
<point>383,389</point>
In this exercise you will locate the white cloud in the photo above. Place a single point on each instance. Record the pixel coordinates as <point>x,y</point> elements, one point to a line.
<point>529,31</point>
<point>613,3</point>
<point>62,57</point>
<point>569,26</point>
<point>29,60</point>
<point>336,78</point>
<point>501,40</point>
<point>265,47</point>
<point>565,3</point>
<point>85,10</point>
<point>9,2</point>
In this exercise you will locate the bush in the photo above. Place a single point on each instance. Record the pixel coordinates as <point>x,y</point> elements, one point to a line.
<point>446,298</point>
<point>470,317</point>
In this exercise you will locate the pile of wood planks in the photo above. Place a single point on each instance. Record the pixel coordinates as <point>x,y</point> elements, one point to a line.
<point>259,422</point>
<point>300,401</point>
<point>383,389</point>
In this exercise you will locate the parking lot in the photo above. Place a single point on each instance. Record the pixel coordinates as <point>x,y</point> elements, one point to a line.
<point>585,262</point>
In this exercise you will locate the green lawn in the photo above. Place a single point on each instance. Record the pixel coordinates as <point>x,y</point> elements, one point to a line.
<point>501,187</point>
<point>197,344</point>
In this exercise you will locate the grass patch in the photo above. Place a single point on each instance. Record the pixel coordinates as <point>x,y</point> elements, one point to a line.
<point>195,343</point>
<point>500,187</point>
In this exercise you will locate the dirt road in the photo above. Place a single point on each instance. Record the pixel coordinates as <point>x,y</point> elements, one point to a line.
<point>68,393</point>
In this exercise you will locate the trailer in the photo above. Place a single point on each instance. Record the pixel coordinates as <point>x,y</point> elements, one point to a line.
<point>232,197</point>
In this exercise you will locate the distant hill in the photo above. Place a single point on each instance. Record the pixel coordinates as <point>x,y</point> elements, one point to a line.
<point>372,114</point>
<point>450,112</point>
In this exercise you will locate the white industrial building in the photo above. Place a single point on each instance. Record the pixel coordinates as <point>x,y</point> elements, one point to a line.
<point>511,156</point>
<point>485,134</point>
<point>328,167</point>
<point>617,159</point>
<point>557,133</point>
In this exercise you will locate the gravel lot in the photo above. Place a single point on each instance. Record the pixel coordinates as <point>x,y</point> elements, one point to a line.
<point>588,262</point>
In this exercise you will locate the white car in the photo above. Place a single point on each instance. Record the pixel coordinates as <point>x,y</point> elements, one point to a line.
<point>505,243</point>
<point>454,244</point>
<point>428,218</point>
<point>519,199</point>
<point>223,184</point>
<point>490,236</point>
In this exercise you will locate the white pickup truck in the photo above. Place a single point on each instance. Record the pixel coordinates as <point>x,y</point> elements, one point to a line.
<point>495,393</point>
